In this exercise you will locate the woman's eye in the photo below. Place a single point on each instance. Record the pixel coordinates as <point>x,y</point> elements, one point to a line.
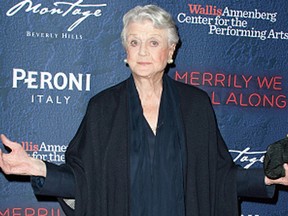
<point>154,43</point>
<point>134,43</point>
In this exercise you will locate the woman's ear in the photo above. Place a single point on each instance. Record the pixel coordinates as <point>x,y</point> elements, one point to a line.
<point>172,50</point>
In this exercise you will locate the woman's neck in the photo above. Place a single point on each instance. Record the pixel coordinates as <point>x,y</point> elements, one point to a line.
<point>150,92</point>
<point>149,88</point>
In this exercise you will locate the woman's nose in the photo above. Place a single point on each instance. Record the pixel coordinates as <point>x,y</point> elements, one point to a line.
<point>143,50</point>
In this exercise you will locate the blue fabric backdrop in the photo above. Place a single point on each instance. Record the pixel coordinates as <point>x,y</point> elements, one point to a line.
<point>55,55</point>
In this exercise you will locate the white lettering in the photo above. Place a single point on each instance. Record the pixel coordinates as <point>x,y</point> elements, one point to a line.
<point>31,80</point>
<point>245,157</point>
<point>50,99</point>
<point>75,9</point>
<point>58,81</point>
<point>46,79</point>
<point>18,74</point>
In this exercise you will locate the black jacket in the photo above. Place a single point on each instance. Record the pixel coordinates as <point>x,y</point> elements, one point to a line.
<point>98,156</point>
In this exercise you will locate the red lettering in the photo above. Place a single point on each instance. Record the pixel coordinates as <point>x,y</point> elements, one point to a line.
<point>257,99</point>
<point>229,81</point>
<point>6,213</point>
<point>235,82</point>
<point>232,99</point>
<point>42,212</point>
<point>16,212</point>
<point>213,99</point>
<point>194,8</point>
<point>207,10</point>
<point>194,76</point>
<point>270,101</point>
<point>35,147</point>
<point>241,101</point>
<point>29,212</point>
<point>57,212</point>
<point>29,146</point>
<point>246,80</point>
<point>272,83</point>
<point>220,78</point>
<point>277,81</point>
<point>207,77</point>
<point>281,101</point>
<point>179,77</point>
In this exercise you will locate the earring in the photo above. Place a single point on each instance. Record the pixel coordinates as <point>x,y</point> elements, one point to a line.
<point>170,61</point>
<point>125,61</point>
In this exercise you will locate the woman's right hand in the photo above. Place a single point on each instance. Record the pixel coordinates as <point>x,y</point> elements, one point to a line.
<point>18,162</point>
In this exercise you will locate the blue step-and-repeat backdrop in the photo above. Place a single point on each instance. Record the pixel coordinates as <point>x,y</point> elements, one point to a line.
<point>55,55</point>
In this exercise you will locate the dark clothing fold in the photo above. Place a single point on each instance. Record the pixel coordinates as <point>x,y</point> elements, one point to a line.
<point>59,182</point>
<point>156,161</point>
<point>99,156</point>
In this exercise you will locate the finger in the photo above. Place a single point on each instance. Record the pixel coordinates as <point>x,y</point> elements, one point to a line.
<point>8,143</point>
<point>1,161</point>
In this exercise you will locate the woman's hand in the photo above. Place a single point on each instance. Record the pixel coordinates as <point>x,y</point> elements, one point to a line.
<point>18,162</point>
<point>281,181</point>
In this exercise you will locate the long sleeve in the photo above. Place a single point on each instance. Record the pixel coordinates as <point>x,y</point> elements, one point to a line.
<point>250,183</point>
<point>59,182</point>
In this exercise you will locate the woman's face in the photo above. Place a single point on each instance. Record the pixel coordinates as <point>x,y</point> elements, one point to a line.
<point>147,49</point>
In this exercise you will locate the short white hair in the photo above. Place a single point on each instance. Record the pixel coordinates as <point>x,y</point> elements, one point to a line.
<point>160,18</point>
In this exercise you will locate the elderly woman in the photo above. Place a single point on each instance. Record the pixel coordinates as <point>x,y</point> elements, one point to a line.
<point>148,146</point>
